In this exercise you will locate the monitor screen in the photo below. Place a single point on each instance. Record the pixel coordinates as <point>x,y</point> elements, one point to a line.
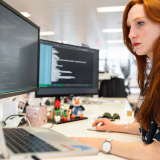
<point>19,53</point>
<point>67,70</point>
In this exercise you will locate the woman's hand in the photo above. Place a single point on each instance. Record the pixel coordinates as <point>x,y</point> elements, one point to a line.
<point>106,125</point>
<point>92,142</point>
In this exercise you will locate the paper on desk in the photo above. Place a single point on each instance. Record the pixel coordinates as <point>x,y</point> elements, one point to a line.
<point>111,101</point>
<point>106,101</point>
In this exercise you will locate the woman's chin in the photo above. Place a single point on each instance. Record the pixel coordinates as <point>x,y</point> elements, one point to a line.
<point>143,53</point>
<point>140,53</point>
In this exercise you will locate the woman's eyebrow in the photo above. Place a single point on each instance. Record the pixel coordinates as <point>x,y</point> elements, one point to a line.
<point>135,19</point>
<point>138,18</point>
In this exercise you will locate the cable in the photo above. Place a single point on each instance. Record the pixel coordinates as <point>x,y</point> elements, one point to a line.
<point>35,157</point>
<point>14,115</point>
<point>11,116</point>
<point>28,121</point>
<point>51,126</point>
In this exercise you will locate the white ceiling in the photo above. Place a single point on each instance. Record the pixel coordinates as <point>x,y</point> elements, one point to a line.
<point>75,21</point>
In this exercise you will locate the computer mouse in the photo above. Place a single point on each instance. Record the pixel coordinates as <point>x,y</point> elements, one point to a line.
<point>94,129</point>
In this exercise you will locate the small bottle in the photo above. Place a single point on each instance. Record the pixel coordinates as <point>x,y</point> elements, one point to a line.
<point>68,115</point>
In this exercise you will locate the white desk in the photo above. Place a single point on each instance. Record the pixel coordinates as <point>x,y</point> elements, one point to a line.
<point>92,111</point>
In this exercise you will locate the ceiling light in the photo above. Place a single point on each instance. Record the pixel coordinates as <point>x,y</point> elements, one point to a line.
<point>111,9</point>
<point>112,30</point>
<point>26,14</point>
<point>114,41</point>
<point>46,33</point>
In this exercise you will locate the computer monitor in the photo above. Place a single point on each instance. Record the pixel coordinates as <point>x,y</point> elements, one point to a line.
<point>85,45</point>
<point>67,70</point>
<point>19,53</point>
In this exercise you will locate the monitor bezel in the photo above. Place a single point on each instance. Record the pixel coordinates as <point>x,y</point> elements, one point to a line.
<point>10,94</point>
<point>70,94</point>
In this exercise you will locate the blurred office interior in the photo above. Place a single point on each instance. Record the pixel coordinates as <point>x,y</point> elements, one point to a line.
<point>88,23</point>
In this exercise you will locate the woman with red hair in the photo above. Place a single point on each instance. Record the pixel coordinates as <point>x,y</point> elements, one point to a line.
<point>141,33</point>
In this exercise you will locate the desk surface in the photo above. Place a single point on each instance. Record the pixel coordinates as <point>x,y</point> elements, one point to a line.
<point>93,110</point>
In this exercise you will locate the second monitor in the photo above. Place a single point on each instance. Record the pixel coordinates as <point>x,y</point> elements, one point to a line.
<point>67,70</point>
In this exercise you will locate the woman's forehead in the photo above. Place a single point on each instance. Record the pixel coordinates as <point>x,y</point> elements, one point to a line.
<point>135,12</point>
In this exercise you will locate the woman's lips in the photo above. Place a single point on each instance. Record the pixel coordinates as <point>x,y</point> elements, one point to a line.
<point>136,44</point>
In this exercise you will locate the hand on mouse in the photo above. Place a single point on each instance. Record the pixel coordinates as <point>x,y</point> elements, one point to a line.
<point>106,124</point>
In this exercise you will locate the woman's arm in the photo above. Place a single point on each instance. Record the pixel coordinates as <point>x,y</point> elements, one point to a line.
<point>129,150</point>
<point>131,129</point>
<point>136,150</point>
<point>110,126</point>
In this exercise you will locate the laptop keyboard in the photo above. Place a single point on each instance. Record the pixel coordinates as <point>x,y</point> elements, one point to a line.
<point>21,141</point>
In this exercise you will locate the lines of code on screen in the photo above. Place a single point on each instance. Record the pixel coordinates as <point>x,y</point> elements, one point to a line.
<point>65,67</point>
<point>18,52</point>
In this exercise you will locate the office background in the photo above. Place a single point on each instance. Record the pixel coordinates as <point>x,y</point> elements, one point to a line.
<point>111,60</point>
<point>85,22</point>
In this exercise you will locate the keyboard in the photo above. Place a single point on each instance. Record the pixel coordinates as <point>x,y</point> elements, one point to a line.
<point>21,141</point>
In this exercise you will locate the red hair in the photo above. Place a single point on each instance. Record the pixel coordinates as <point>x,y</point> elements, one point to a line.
<point>151,104</point>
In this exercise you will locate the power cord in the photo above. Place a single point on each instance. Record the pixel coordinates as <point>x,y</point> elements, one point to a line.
<point>35,157</point>
<point>51,125</point>
<point>15,115</point>
<point>28,121</point>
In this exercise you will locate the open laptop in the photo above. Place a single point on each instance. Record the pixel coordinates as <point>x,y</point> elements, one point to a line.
<point>40,142</point>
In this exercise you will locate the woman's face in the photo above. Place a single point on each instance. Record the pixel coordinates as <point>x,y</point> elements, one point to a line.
<point>143,32</point>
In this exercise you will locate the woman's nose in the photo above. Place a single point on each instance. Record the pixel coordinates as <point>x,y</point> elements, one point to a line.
<point>132,33</point>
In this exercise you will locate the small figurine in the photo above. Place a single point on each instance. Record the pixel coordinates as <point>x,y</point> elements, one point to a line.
<point>77,109</point>
<point>57,117</point>
<point>64,107</point>
<point>57,104</point>
<point>64,118</point>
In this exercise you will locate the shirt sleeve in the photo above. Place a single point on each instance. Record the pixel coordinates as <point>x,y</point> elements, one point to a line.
<point>148,136</point>
<point>157,134</point>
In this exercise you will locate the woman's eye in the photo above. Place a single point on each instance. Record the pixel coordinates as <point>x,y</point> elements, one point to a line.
<point>140,23</point>
<point>129,27</point>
